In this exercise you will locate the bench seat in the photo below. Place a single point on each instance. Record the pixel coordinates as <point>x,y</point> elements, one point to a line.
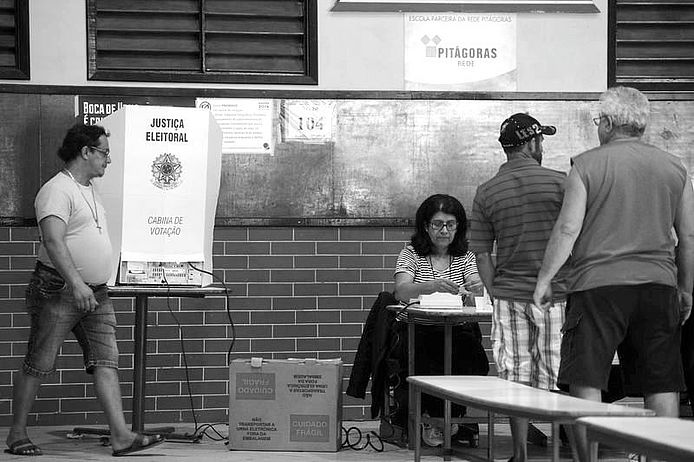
<point>498,396</point>
<point>656,437</point>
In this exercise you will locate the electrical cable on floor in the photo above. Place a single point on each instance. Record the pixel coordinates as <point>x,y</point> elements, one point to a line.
<point>357,445</point>
<point>200,430</point>
<point>216,436</point>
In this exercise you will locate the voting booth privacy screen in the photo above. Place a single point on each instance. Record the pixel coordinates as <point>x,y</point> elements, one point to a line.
<point>160,193</point>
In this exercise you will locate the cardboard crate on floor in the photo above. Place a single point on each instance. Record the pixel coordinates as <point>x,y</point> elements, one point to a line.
<point>285,405</point>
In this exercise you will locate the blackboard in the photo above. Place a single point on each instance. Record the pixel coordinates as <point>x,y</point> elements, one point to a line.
<point>385,155</point>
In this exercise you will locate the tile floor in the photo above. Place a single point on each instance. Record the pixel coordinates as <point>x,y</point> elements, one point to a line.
<point>57,446</point>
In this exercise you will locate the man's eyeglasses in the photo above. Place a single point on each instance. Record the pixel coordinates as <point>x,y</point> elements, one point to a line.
<point>437,225</point>
<point>596,120</point>
<point>103,152</point>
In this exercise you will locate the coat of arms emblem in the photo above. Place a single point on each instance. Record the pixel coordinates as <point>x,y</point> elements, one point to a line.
<point>166,171</point>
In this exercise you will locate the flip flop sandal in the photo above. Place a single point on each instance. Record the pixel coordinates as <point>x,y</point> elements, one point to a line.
<point>23,447</point>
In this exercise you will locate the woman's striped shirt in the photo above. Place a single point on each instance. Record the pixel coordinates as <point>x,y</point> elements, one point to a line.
<point>420,268</point>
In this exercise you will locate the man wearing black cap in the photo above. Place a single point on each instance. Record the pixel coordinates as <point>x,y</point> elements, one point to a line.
<point>517,208</point>
<point>631,277</point>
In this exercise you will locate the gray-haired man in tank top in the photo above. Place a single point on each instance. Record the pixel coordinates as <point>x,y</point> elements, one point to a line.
<point>631,277</point>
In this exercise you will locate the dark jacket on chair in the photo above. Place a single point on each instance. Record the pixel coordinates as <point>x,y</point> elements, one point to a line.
<point>378,340</point>
<point>382,355</point>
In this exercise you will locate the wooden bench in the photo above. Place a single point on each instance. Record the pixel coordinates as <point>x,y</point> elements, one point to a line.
<point>659,437</point>
<point>498,396</point>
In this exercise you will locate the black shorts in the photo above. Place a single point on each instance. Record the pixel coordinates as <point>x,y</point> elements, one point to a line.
<point>642,320</point>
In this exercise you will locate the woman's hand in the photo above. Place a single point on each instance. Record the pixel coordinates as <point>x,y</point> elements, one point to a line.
<point>443,285</point>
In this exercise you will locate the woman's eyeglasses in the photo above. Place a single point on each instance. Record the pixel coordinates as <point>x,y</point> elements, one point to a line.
<point>437,225</point>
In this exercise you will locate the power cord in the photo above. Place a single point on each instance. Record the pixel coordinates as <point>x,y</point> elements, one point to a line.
<point>352,437</point>
<point>216,436</point>
<point>228,310</point>
<point>199,430</point>
<point>404,308</point>
<point>356,441</point>
<point>348,441</point>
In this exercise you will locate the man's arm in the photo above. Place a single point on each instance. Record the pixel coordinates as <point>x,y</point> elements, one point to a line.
<point>486,269</point>
<point>53,231</point>
<point>482,235</point>
<point>684,226</point>
<point>563,237</point>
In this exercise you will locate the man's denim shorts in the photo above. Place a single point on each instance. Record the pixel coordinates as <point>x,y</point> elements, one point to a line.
<point>53,315</point>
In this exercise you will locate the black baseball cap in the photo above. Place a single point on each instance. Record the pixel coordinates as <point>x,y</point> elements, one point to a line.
<point>520,128</point>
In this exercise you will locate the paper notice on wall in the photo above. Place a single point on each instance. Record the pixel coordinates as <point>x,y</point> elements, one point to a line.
<point>469,52</point>
<point>246,123</point>
<point>308,120</point>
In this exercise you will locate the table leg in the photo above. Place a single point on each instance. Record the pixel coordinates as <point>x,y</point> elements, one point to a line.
<point>593,447</point>
<point>411,399</point>
<point>490,435</point>
<point>555,441</point>
<point>447,369</point>
<point>140,371</point>
<point>447,349</point>
<point>140,364</point>
<point>417,393</point>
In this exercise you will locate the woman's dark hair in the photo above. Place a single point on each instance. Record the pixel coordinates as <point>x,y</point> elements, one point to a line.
<point>439,203</point>
<point>77,137</point>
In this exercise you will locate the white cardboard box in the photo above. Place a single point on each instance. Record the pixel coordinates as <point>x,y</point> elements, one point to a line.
<point>285,405</point>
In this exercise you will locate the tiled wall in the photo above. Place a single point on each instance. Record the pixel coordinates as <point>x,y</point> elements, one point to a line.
<point>295,292</point>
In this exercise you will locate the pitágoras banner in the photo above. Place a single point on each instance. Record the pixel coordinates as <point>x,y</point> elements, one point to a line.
<point>474,52</point>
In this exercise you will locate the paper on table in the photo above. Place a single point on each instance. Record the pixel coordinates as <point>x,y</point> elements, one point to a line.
<point>483,304</point>
<point>441,300</point>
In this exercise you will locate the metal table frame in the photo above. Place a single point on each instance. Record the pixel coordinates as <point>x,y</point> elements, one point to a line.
<point>434,317</point>
<point>142,294</point>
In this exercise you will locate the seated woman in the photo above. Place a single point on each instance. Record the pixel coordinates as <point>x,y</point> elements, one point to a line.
<point>437,260</point>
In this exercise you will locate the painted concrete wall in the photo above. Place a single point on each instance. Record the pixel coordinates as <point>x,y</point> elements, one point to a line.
<point>357,51</point>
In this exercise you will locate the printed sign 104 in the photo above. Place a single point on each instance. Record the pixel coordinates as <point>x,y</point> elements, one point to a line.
<point>308,120</point>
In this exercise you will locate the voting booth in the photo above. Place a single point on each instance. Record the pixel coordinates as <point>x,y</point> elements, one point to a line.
<point>160,193</point>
